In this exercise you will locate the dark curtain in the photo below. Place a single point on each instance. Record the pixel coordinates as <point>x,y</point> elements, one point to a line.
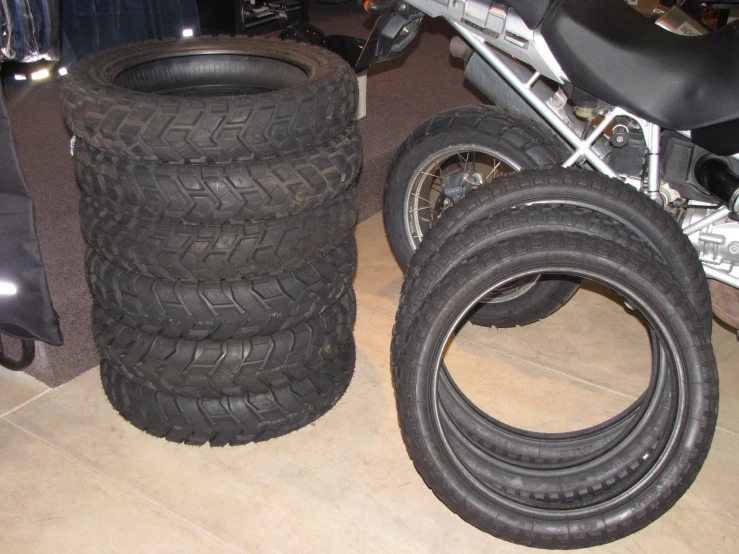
<point>92,25</point>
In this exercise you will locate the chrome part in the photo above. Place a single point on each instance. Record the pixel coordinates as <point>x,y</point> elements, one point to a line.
<point>668,194</point>
<point>721,276</point>
<point>652,134</point>
<point>716,238</point>
<point>710,217</point>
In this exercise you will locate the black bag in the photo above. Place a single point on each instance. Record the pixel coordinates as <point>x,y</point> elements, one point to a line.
<point>26,311</point>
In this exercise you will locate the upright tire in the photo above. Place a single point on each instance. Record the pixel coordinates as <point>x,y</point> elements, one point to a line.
<point>490,435</point>
<point>585,505</point>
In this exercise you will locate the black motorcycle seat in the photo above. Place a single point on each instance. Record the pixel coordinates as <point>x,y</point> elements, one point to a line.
<point>609,50</point>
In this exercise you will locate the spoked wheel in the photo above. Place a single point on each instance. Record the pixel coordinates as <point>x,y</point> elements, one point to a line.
<point>443,160</point>
<point>444,178</point>
<point>456,169</point>
<point>655,446</point>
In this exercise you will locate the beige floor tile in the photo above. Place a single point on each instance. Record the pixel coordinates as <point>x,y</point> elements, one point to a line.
<point>726,348</point>
<point>16,388</point>
<point>344,484</point>
<point>379,277</point>
<point>53,504</point>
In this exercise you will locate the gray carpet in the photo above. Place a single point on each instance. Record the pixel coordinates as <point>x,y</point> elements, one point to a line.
<point>401,94</point>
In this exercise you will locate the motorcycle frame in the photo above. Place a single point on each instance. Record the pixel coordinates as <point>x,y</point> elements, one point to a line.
<point>583,147</point>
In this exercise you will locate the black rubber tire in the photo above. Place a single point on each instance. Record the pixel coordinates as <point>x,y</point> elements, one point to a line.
<point>231,420</point>
<point>611,498</point>
<point>213,369</point>
<point>593,191</point>
<point>214,194</point>
<point>222,310</point>
<point>212,253</point>
<point>512,135</point>
<point>197,99</point>
<point>490,435</point>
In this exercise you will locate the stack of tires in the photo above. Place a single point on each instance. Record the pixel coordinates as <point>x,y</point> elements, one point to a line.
<point>218,209</point>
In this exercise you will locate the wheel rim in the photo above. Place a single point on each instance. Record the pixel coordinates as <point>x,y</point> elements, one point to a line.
<point>424,200</point>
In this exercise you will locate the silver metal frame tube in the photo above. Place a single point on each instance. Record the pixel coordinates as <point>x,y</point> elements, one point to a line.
<point>713,273</point>
<point>546,113</point>
<point>710,219</point>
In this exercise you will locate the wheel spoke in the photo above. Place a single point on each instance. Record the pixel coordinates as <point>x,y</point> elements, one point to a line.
<point>494,172</point>
<point>421,198</point>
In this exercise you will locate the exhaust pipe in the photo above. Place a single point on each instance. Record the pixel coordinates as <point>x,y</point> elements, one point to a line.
<point>499,92</point>
<point>493,86</point>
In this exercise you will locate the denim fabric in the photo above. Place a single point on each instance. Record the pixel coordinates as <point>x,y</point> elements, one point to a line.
<point>92,25</point>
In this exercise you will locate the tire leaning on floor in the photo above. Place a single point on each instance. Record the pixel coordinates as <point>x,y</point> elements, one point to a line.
<point>589,190</point>
<point>227,99</point>
<point>659,462</point>
<point>212,253</point>
<point>222,310</point>
<point>225,368</point>
<point>231,420</point>
<point>441,257</point>
<point>214,194</point>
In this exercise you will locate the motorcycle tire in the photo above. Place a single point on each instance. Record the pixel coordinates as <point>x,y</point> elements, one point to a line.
<point>221,310</point>
<point>214,194</point>
<point>506,134</point>
<point>528,450</point>
<point>587,504</point>
<point>517,142</point>
<point>231,420</point>
<point>209,99</point>
<point>592,191</point>
<point>211,369</point>
<point>213,253</point>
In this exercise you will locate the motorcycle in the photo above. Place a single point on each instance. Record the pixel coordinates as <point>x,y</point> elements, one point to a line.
<point>592,86</point>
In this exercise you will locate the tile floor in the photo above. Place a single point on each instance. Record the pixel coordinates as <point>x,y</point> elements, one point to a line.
<point>76,478</point>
